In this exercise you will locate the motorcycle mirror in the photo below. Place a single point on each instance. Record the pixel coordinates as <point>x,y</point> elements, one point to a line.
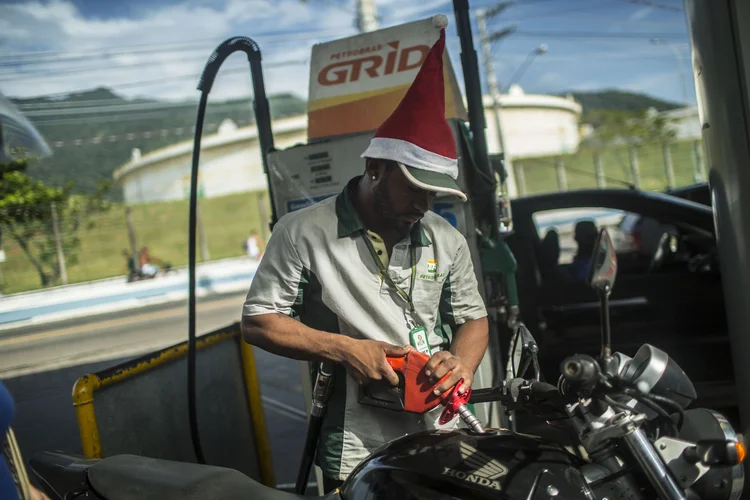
<point>602,278</point>
<point>603,264</point>
<point>524,353</point>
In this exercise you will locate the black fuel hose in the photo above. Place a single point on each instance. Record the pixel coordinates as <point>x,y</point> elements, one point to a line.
<point>265,136</point>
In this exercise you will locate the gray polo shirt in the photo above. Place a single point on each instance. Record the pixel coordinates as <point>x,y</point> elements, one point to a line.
<point>318,269</point>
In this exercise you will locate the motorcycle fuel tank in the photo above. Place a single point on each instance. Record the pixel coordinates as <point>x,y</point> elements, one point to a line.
<point>461,464</point>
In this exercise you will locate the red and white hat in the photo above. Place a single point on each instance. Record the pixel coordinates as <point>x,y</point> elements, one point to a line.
<point>417,136</point>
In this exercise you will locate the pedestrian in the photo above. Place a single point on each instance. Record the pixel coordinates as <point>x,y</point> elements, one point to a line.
<point>372,273</point>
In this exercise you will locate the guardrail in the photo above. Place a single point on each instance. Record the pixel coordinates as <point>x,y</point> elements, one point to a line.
<point>116,294</point>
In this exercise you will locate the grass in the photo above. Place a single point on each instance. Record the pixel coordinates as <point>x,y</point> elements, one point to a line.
<point>163,227</point>
<point>229,219</point>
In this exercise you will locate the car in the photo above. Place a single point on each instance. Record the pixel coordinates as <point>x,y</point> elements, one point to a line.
<point>671,298</point>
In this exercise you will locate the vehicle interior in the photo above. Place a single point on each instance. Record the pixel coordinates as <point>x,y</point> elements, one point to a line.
<point>668,289</point>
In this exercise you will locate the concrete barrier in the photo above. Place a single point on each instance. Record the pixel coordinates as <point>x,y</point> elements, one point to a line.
<point>116,294</point>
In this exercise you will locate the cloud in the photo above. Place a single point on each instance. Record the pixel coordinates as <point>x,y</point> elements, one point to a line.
<point>188,32</point>
<point>641,13</point>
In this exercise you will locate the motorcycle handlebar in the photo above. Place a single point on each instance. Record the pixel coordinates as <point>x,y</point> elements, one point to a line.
<point>530,393</point>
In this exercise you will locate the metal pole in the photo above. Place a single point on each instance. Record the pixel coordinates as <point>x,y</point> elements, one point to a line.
<point>489,70</point>
<point>635,168</point>
<point>520,178</point>
<point>487,206</point>
<point>132,238</point>
<point>58,246</point>
<point>562,179</point>
<point>367,16</point>
<point>525,65</point>
<point>667,153</point>
<point>699,174</point>
<point>601,182</point>
<point>205,256</point>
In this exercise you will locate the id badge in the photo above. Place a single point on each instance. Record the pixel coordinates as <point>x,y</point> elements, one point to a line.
<point>418,339</point>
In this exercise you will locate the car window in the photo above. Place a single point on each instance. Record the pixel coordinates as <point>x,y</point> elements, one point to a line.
<point>564,222</point>
<point>567,238</point>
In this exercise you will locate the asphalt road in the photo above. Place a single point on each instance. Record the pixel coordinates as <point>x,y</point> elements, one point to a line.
<point>40,365</point>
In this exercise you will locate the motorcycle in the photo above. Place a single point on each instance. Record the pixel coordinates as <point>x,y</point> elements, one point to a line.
<point>635,438</point>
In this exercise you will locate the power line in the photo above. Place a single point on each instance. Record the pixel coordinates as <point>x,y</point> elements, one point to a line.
<point>108,52</point>
<point>601,35</point>
<point>654,4</point>
<point>146,83</point>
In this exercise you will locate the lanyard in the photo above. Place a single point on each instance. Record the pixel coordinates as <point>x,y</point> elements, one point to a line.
<point>384,272</point>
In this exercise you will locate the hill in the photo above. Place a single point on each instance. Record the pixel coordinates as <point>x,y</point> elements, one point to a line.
<point>618,100</point>
<point>92,133</point>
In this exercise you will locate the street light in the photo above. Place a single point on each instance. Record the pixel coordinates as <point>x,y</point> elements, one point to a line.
<point>681,66</point>
<point>542,49</point>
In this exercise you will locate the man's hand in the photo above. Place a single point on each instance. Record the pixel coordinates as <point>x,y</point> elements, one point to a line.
<point>366,360</point>
<point>443,362</point>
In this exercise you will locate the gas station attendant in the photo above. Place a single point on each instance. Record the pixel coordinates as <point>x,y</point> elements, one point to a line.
<point>371,273</point>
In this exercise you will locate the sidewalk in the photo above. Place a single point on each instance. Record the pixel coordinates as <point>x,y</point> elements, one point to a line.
<point>116,294</point>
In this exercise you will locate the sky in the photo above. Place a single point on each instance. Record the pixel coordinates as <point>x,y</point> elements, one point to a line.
<point>157,48</point>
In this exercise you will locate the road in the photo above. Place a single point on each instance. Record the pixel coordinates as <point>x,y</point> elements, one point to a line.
<point>40,365</point>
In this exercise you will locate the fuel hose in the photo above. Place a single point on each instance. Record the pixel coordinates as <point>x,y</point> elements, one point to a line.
<point>321,393</point>
<point>265,137</point>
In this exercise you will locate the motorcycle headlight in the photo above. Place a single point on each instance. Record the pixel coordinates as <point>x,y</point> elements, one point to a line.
<point>652,370</point>
<point>719,483</point>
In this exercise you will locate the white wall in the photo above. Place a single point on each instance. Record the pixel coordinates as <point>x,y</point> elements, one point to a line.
<point>235,167</point>
<point>534,131</point>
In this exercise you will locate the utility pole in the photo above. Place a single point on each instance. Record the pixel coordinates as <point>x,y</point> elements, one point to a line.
<point>367,16</point>
<point>58,246</point>
<point>489,69</point>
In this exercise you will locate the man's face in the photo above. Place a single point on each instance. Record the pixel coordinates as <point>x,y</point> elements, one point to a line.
<point>399,202</point>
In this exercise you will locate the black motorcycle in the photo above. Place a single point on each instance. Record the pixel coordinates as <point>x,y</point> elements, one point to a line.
<point>634,438</point>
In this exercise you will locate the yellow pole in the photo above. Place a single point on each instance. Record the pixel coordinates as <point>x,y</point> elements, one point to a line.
<point>262,444</point>
<point>83,401</point>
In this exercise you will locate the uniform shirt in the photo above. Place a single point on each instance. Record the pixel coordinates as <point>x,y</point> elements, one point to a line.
<point>318,268</point>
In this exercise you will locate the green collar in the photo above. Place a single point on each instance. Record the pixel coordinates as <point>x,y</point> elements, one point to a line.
<point>350,223</point>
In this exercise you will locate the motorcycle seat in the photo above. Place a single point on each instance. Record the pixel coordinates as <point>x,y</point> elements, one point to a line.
<point>131,477</point>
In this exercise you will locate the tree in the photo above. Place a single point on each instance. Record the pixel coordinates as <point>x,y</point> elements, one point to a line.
<point>631,128</point>
<point>26,216</point>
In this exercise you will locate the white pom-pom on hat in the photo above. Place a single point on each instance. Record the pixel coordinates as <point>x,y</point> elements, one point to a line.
<point>440,21</point>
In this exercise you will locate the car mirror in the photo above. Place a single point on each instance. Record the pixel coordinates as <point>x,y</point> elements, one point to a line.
<point>603,265</point>
<point>523,354</point>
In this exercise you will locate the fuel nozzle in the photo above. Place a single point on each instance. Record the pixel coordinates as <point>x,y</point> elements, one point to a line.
<point>322,389</point>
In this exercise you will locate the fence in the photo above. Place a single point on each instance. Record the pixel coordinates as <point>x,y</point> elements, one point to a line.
<point>652,168</point>
<point>95,250</point>
<point>225,223</point>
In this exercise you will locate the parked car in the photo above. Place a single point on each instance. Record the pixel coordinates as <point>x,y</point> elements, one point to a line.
<point>672,299</point>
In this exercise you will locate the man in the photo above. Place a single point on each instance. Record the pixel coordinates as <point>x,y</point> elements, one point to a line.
<point>371,273</point>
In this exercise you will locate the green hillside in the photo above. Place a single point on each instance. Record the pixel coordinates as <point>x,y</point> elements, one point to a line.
<point>618,100</point>
<point>99,129</point>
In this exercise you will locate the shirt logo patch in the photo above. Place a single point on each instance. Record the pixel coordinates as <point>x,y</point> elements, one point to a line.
<point>431,266</point>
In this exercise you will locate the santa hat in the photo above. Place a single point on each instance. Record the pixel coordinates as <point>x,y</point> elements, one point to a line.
<point>417,136</point>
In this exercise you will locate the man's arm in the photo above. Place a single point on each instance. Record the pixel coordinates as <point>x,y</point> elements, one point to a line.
<point>463,358</point>
<point>365,360</point>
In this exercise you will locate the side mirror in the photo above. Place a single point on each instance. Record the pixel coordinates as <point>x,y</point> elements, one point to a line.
<point>602,278</point>
<point>524,353</point>
<point>603,265</point>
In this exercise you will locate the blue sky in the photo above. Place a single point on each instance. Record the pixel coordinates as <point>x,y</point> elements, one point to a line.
<point>156,48</point>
